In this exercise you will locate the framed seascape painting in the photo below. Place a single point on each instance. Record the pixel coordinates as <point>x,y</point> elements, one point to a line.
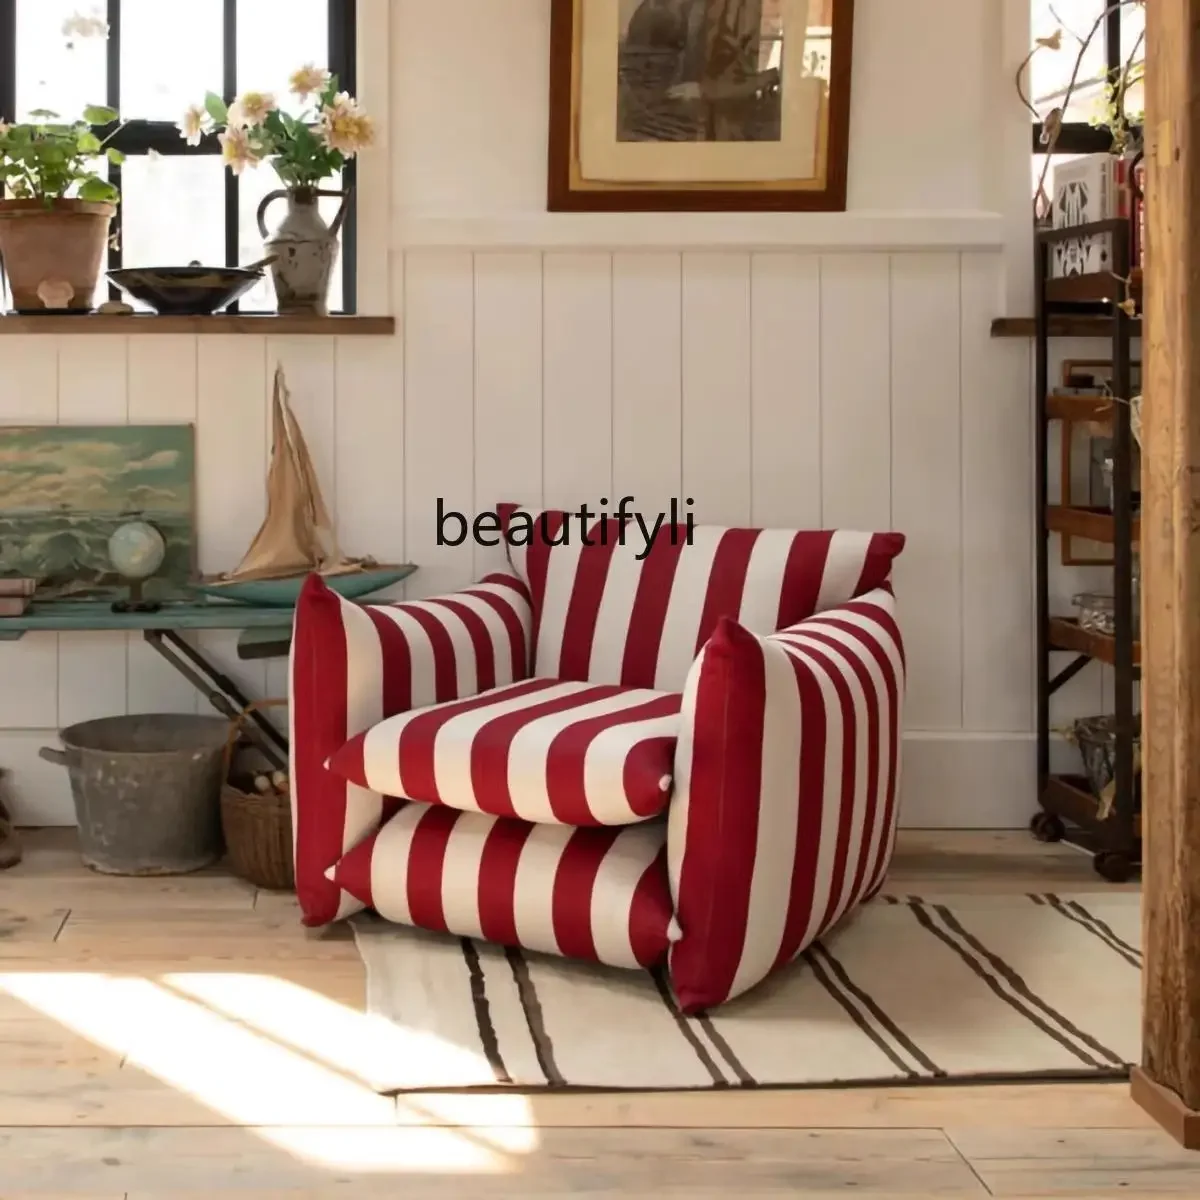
<point>65,489</point>
<point>699,105</point>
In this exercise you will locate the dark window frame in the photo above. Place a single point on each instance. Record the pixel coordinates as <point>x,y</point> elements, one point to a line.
<point>139,137</point>
<point>1078,137</point>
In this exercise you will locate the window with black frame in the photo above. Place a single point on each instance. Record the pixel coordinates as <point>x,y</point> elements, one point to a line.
<point>150,61</point>
<point>1082,48</point>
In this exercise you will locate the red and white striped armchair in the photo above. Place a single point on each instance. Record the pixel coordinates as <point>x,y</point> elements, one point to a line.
<point>684,754</point>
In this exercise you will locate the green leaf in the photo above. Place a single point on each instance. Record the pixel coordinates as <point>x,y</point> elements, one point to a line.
<point>97,114</point>
<point>276,124</point>
<point>115,156</point>
<point>97,189</point>
<point>88,143</point>
<point>216,108</point>
<point>43,114</point>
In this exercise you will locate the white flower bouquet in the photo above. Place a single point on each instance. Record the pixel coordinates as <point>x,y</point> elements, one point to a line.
<point>303,150</point>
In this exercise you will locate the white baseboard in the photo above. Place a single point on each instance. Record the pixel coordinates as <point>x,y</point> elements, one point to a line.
<point>38,791</point>
<point>968,781</point>
<point>949,780</point>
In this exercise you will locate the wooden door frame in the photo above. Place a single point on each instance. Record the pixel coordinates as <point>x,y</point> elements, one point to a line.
<point>1167,1083</point>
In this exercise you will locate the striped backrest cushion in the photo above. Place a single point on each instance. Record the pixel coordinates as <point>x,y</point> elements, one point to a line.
<point>618,611</point>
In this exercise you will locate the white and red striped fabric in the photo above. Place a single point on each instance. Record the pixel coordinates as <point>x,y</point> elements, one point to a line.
<point>784,816</point>
<point>352,666</point>
<point>616,613</point>
<point>595,894</point>
<point>544,751</point>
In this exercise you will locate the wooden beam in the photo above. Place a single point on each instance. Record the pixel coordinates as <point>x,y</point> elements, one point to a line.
<point>1168,1082</point>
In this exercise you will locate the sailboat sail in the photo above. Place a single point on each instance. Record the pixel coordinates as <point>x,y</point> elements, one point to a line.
<point>297,535</point>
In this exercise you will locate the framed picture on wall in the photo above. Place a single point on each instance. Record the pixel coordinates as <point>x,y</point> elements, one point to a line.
<point>699,105</point>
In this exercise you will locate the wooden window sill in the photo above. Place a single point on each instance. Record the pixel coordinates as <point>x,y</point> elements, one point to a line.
<point>264,325</point>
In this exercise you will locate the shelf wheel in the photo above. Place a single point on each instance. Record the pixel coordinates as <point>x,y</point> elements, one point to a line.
<point>1113,866</point>
<point>1047,827</point>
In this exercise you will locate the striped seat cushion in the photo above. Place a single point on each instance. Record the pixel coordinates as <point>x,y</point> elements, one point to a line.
<point>566,753</point>
<point>615,611</point>
<point>352,666</point>
<point>786,776</point>
<point>595,894</point>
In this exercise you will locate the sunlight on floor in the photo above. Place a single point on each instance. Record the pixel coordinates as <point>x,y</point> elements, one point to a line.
<point>354,1042</point>
<point>246,1046</point>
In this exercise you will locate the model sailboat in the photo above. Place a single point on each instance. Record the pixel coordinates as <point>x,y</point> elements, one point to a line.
<point>297,536</point>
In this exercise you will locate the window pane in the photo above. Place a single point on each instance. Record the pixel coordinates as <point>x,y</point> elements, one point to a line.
<point>1050,71</point>
<point>56,72</point>
<point>1133,50</point>
<point>275,39</point>
<point>1133,27</point>
<point>256,183</point>
<point>171,54</point>
<point>192,191</point>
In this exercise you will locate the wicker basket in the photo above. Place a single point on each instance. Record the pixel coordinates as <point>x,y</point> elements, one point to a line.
<point>257,827</point>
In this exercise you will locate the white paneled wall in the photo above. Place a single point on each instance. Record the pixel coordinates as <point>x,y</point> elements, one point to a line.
<point>791,389</point>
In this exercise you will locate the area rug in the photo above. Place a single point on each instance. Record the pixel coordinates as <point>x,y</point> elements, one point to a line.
<point>908,990</point>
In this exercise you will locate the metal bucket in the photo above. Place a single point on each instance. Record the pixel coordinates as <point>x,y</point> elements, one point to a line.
<point>147,791</point>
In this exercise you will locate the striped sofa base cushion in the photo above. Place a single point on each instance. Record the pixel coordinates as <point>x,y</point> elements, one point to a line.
<point>354,665</point>
<point>609,609</point>
<point>594,894</point>
<point>544,751</point>
<point>786,774</point>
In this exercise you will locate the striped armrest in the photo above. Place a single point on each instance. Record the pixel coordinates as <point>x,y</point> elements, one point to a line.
<point>354,666</point>
<point>784,817</point>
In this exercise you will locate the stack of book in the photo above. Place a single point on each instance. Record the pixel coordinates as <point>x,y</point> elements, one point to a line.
<point>16,596</point>
<point>1090,188</point>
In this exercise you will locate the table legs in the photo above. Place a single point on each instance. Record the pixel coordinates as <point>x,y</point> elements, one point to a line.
<point>221,691</point>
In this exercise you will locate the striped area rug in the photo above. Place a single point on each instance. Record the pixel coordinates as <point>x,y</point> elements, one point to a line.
<point>909,989</point>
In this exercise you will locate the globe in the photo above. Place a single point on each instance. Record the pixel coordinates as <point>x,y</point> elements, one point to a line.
<point>137,550</point>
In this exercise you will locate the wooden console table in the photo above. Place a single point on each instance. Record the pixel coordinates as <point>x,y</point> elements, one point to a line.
<point>265,633</point>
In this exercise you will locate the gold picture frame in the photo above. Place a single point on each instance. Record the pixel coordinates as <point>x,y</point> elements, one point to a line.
<point>699,105</point>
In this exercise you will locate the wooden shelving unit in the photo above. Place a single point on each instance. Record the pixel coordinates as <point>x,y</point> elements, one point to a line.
<point>1066,635</point>
<point>1096,524</point>
<point>1061,325</point>
<point>1112,825</point>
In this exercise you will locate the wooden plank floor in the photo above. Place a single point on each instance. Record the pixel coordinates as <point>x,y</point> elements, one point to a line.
<point>186,1037</point>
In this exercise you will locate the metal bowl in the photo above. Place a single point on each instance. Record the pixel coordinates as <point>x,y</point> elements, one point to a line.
<point>186,291</point>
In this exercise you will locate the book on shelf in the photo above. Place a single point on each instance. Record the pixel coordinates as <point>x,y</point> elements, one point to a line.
<point>15,596</point>
<point>1091,188</point>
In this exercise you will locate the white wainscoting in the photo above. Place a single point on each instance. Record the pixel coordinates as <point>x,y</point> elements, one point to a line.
<point>775,388</point>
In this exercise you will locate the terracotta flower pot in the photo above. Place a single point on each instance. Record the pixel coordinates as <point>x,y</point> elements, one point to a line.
<point>53,255</point>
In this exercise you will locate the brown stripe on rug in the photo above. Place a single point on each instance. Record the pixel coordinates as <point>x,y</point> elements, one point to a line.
<point>867,1014</point>
<point>534,1020</point>
<point>906,990</point>
<point>856,1015</point>
<point>687,1029</point>
<point>1074,911</point>
<point>1011,988</point>
<point>483,1012</point>
<point>725,1050</point>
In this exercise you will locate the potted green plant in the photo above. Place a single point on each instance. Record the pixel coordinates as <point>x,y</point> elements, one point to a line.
<point>55,227</point>
<point>305,151</point>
